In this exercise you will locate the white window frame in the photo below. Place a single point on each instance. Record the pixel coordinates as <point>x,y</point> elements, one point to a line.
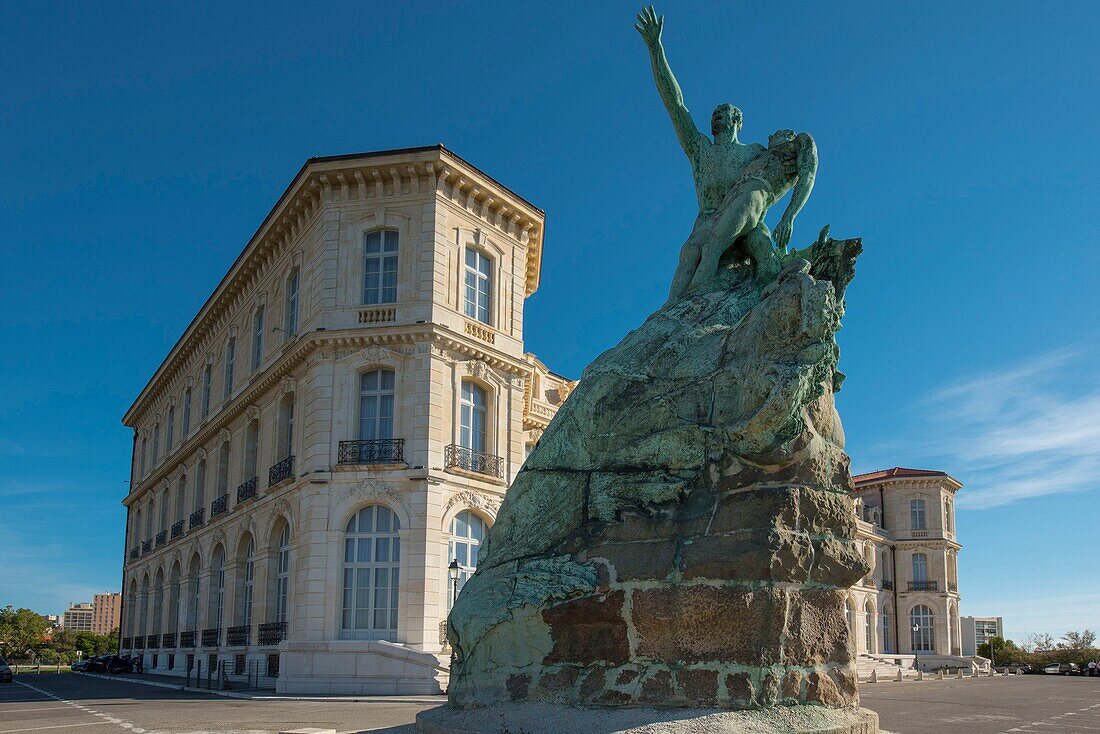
<point>258,338</point>
<point>291,303</point>
<point>364,577</point>
<point>282,578</point>
<point>470,435</point>
<point>477,285</point>
<point>464,547</point>
<point>230,366</point>
<point>385,261</point>
<point>918,514</point>
<point>381,399</point>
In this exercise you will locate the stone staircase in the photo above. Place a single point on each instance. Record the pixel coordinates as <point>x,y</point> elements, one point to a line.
<point>884,667</point>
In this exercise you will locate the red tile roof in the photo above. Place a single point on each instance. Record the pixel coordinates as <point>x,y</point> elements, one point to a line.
<point>897,471</point>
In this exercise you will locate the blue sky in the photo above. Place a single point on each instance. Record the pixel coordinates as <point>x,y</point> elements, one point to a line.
<point>141,144</point>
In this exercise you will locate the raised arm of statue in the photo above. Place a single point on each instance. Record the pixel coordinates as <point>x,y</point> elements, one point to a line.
<point>650,26</point>
<point>807,172</point>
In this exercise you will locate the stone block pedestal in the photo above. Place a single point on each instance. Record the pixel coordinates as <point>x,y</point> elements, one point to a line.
<point>532,718</point>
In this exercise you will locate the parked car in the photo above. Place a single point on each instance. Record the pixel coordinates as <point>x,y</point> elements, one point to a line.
<point>79,665</point>
<point>117,665</point>
<point>98,664</point>
<point>1062,669</point>
<point>1014,668</point>
<point>6,675</point>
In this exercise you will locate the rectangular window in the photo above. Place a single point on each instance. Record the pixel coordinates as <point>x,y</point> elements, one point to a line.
<point>291,316</point>
<point>186,414</point>
<point>917,515</point>
<point>230,362</point>
<point>920,568</point>
<point>207,379</point>
<point>156,443</point>
<point>258,339</point>
<point>479,282</point>
<point>170,430</point>
<point>376,393</point>
<point>380,267</point>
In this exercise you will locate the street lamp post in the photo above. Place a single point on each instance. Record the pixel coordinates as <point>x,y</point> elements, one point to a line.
<point>916,647</point>
<point>453,571</point>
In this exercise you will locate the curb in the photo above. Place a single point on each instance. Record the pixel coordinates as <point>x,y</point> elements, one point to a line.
<point>425,700</point>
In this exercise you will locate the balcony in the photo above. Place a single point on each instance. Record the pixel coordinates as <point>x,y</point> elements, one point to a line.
<point>886,585</point>
<point>211,637</point>
<point>272,633</point>
<point>281,471</point>
<point>924,586</point>
<point>373,451</point>
<point>177,529</point>
<point>198,517</point>
<point>187,639</point>
<point>168,640</point>
<point>218,506</point>
<point>475,461</point>
<point>238,636</point>
<point>162,538</point>
<point>134,553</point>
<point>152,642</point>
<point>146,546</point>
<point>247,490</point>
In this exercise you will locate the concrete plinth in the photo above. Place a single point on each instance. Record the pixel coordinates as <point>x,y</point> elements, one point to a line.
<point>534,718</point>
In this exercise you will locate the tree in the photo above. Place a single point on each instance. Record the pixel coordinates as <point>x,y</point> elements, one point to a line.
<point>1038,642</point>
<point>21,631</point>
<point>1079,640</point>
<point>1002,650</point>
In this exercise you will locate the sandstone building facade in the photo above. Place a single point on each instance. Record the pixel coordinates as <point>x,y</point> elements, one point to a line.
<point>336,427</point>
<point>908,605</point>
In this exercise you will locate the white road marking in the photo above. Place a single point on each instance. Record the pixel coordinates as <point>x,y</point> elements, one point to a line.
<point>40,728</point>
<point>107,717</point>
<point>47,708</point>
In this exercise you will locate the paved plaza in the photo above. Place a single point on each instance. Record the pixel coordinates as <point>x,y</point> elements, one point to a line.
<point>87,705</point>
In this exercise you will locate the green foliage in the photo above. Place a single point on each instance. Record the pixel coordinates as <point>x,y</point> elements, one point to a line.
<point>1002,650</point>
<point>21,631</point>
<point>1078,640</point>
<point>25,635</point>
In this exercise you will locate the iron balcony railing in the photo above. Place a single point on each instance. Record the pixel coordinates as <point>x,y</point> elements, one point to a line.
<point>162,538</point>
<point>238,636</point>
<point>152,642</point>
<point>211,637</point>
<point>177,528</point>
<point>247,490</point>
<point>887,585</point>
<point>168,640</point>
<point>283,470</point>
<point>146,546</point>
<point>272,633</point>
<point>372,451</point>
<point>187,639</point>
<point>198,517</point>
<point>475,461</point>
<point>218,506</point>
<point>923,585</point>
<point>134,552</point>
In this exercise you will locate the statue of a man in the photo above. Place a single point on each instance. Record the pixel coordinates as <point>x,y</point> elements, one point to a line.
<point>736,183</point>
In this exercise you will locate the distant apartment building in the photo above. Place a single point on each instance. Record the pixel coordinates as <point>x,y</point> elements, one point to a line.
<point>106,612</point>
<point>908,604</point>
<point>78,617</point>
<point>977,631</point>
<point>317,460</point>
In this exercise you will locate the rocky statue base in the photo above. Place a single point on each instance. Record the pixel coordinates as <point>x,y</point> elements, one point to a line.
<point>677,547</point>
<point>535,718</point>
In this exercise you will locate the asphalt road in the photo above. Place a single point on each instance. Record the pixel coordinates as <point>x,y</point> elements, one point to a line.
<point>76,704</point>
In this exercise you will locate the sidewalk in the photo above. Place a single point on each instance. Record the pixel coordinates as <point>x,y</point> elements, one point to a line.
<point>177,683</point>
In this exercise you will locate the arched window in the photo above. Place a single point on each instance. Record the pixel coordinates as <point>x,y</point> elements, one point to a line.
<point>131,607</point>
<point>473,420</point>
<point>921,624</point>
<point>380,267</point>
<point>143,600</point>
<point>290,311</point>
<point>920,569</point>
<point>194,594</point>
<point>144,453</point>
<point>479,282</point>
<point>163,512</point>
<point>137,527</point>
<point>199,501</point>
<point>174,599</point>
<point>917,517</point>
<point>869,626</point>
<point>372,557</point>
<point>223,470</point>
<point>181,498</point>
<point>170,430</point>
<point>376,395</point>
<point>258,338</point>
<point>282,575</point>
<point>467,532</point>
<point>158,602</point>
<point>186,414</point>
<point>149,519</point>
<point>246,574</point>
<point>887,632</point>
<point>230,364</point>
<point>217,588</point>
<point>156,443</point>
<point>207,381</point>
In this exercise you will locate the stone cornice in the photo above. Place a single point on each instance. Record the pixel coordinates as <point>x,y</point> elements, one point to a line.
<point>298,351</point>
<point>321,181</point>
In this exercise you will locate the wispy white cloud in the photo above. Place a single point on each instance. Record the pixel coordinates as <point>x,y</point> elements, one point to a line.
<point>1028,430</point>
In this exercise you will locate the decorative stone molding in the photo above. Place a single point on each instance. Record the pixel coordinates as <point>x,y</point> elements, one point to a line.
<point>473,500</point>
<point>224,435</point>
<point>477,368</point>
<point>373,489</point>
<point>252,413</point>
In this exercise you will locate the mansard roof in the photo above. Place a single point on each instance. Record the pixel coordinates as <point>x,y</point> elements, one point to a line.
<point>900,472</point>
<point>458,178</point>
